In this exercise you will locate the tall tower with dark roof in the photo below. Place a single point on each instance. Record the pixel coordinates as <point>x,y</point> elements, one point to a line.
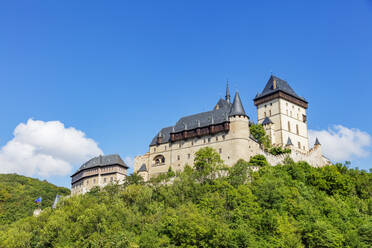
<point>281,107</point>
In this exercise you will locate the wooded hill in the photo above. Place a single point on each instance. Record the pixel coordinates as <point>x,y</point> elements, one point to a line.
<point>18,193</point>
<point>209,205</point>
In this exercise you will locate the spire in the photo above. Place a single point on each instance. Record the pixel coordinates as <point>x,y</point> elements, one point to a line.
<point>317,143</point>
<point>289,142</point>
<point>227,97</point>
<point>237,107</point>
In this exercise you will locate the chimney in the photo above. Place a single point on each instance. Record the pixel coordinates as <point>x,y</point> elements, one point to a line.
<point>159,138</point>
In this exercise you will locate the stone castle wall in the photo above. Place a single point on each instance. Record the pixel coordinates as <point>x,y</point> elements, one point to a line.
<point>314,157</point>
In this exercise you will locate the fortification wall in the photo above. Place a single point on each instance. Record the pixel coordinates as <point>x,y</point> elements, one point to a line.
<point>314,157</point>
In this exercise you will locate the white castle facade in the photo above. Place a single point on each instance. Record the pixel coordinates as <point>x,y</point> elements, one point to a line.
<point>226,129</point>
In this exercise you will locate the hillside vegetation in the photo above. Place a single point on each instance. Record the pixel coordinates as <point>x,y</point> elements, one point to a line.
<point>18,193</point>
<point>290,205</point>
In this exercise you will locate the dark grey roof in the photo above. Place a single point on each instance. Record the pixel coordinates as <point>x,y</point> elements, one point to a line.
<point>289,142</point>
<point>165,136</point>
<point>142,168</point>
<point>317,141</point>
<point>218,115</point>
<point>237,107</point>
<point>281,85</point>
<point>267,121</point>
<point>103,161</point>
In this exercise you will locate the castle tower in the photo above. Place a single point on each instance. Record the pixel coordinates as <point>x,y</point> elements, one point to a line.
<point>287,112</point>
<point>239,129</point>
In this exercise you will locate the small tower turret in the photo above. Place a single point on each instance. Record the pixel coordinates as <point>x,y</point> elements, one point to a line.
<point>289,143</point>
<point>317,143</point>
<point>239,121</point>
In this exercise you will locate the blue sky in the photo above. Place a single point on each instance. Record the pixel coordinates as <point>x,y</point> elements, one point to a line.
<point>121,70</point>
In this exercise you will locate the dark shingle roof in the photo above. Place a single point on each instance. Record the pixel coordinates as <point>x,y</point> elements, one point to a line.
<point>267,121</point>
<point>317,141</point>
<point>218,115</point>
<point>103,161</point>
<point>281,85</point>
<point>237,107</point>
<point>165,136</point>
<point>142,168</point>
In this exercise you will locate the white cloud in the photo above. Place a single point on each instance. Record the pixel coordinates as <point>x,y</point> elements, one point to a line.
<point>46,149</point>
<point>340,143</point>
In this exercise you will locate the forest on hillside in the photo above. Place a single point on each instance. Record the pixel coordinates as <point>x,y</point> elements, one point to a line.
<point>18,193</point>
<point>210,205</point>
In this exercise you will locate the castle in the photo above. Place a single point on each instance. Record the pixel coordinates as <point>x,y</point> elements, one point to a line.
<point>98,171</point>
<point>226,129</point>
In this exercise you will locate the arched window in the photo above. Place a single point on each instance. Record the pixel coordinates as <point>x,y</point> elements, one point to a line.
<point>289,127</point>
<point>159,160</point>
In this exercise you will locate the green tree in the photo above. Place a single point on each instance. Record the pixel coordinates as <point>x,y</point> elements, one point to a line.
<point>208,164</point>
<point>259,133</point>
<point>258,160</point>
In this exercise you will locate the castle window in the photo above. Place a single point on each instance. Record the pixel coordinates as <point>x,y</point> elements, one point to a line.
<point>286,103</point>
<point>94,180</point>
<point>265,106</point>
<point>188,156</point>
<point>154,149</point>
<point>209,140</point>
<point>299,145</point>
<point>265,114</point>
<point>111,179</point>
<point>269,112</point>
<point>179,145</point>
<point>304,118</point>
<point>178,157</point>
<point>220,150</point>
<point>223,137</point>
<point>297,117</point>
<point>271,104</point>
<point>104,180</point>
<point>216,138</point>
<point>289,127</point>
<point>204,141</point>
<point>297,131</point>
<point>159,160</point>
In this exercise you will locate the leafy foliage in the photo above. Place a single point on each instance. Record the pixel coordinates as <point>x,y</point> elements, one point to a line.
<point>277,150</point>
<point>290,205</point>
<point>17,195</point>
<point>258,132</point>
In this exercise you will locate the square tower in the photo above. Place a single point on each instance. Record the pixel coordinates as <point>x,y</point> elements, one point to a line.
<point>284,111</point>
